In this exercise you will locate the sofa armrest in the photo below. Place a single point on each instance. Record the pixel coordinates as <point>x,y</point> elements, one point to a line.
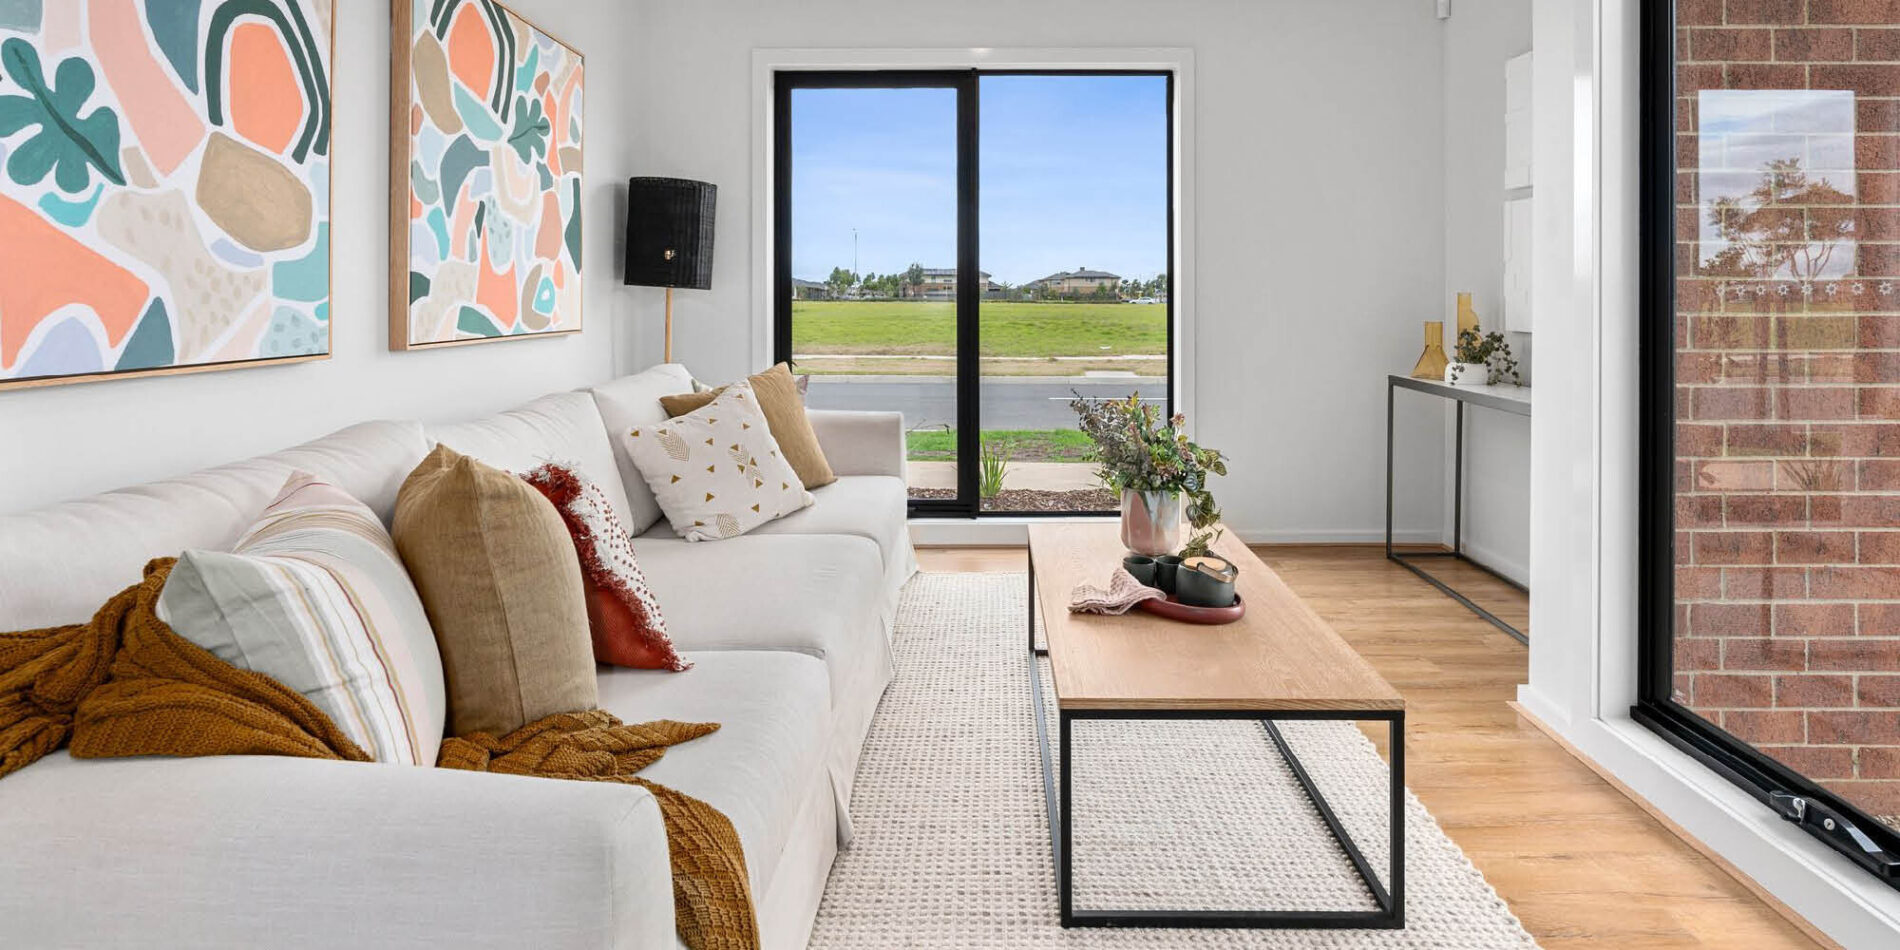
<point>861,443</point>
<point>264,851</point>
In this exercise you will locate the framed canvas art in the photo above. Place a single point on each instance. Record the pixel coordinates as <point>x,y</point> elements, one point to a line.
<point>164,186</point>
<point>485,176</point>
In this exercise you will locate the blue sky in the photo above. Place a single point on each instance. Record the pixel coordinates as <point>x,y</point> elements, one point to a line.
<point>1074,174</point>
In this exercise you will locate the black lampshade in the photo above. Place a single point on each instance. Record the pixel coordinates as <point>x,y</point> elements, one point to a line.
<point>670,232</point>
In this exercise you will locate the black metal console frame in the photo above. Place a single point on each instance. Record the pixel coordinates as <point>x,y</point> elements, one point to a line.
<point>1404,558</point>
<point>1390,914</point>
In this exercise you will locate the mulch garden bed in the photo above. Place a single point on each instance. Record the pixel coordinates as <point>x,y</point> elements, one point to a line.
<point>1019,499</point>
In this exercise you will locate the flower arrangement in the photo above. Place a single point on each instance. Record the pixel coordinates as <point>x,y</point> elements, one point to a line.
<point>1489,351</point>
<point>1138,449</point>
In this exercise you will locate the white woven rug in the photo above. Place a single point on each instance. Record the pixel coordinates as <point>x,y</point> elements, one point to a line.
<point>952,847</point>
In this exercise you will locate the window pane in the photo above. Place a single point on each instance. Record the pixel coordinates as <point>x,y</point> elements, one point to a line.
<point>1074,232</point>
<point>874,251</point>
<point>1787,550</point>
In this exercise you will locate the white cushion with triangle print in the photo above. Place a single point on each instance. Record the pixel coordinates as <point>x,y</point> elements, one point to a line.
<point>716,472</point>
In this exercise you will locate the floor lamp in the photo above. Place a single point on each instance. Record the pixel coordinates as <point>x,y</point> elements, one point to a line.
<point>670,237</point>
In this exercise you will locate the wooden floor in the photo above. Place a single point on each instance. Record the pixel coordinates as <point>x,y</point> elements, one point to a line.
<point>1580,864</point>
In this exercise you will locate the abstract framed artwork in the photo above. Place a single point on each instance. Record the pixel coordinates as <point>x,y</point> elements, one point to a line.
<point>164,186</point>
<point>485,176</point>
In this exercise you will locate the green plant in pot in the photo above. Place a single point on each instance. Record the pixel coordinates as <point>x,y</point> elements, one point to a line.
<point>1481,359</point>
<point>1160,474</point>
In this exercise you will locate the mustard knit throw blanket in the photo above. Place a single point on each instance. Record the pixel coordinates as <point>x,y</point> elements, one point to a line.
<point>124,684</point>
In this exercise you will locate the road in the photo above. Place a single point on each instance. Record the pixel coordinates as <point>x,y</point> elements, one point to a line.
<point>1008,402</point>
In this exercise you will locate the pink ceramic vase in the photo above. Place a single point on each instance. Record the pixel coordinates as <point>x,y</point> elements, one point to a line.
<point>1151,521</point>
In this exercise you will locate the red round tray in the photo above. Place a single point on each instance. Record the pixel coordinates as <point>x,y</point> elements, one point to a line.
<point>1175,610</point>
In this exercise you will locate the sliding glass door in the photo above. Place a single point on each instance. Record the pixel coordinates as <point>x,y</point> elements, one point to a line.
<point>1771,456</point>
<point>870,239</point>
<point>976,249</point>
<point>1075,239</point>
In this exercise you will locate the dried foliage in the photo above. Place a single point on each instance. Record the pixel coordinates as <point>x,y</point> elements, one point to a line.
<point>1138,448</point>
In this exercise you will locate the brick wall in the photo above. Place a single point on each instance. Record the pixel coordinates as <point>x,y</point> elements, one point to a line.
<point>1788,383</point>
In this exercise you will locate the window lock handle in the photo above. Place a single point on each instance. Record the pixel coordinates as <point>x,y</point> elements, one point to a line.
<point>1834,828</point>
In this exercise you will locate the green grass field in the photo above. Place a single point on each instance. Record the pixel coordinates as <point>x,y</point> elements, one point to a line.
<point>1025,445</point>
<point>928,328</point>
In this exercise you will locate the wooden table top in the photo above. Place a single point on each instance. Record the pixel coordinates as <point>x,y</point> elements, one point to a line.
<point>1280,656</point>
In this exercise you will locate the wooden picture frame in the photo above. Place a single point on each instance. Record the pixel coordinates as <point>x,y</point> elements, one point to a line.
<point>486,163</point>
<point>178,218</point>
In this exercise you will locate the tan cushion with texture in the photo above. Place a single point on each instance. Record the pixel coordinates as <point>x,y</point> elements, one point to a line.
<point>777,392</point>
<point>498,576</point>
<point>685,403</point>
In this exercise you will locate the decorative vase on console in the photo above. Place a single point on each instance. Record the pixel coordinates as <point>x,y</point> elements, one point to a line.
<point>1432,363</point>
<point>1161,475</point>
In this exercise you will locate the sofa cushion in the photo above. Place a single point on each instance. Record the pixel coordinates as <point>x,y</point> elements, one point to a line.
<point>861,442</point>
<point>560,427</point>
<point>864,506</point>
<point>633,401</point>
<point>718,472</point>
<point>773,711</point>
<point>820,595</point>
<point>800,592</point>
<point>99,544</point>
<point>782,399</point>
<point>622,613</point>
<point>268,851</point>
<point>315,597</point>
<point>498,575</point>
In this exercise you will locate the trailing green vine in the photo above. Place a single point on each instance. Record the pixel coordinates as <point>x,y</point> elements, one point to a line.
<point>1489,351</point>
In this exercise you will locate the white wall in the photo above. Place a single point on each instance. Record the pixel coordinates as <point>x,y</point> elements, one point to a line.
<point>64,441</point>
<point>1479,37</point>
<point>1321,187</point>
<point>1320,212</point>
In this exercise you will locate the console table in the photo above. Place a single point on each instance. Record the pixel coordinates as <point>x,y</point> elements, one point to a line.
<point>1512,399</point>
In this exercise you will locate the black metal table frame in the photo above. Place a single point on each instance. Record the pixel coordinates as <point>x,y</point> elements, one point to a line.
<point>1405,558</point>
<point>1390,914</point>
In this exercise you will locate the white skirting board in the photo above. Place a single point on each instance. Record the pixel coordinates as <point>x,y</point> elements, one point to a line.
<point>1014,532</point>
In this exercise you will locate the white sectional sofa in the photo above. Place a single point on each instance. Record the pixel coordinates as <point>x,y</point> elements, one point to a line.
<point>788,629</point>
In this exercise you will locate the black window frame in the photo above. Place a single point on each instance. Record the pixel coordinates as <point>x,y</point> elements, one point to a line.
<point>1792,795</point>
<point>966,82</point>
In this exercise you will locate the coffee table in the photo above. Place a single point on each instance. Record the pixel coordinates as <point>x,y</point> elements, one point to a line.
<point>1279,662</point>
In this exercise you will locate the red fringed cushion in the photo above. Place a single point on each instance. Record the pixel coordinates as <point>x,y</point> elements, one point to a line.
<point>622,613</point>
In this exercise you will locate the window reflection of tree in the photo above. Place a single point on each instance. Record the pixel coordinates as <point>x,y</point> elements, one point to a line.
<point>1789,227</point>
<point>1789,223</point>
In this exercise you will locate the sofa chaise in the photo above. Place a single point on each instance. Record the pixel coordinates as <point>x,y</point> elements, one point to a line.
<point>788,628</point>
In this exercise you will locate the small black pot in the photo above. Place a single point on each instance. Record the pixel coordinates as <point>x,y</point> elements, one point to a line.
<point>1201,590</point>
<point>1141,566</point>
<point>1165,566</point>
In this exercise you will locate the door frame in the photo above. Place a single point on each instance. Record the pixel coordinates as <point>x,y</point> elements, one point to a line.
<point>835,67</point>
<point>963,82</point>
<point>1740,762</point>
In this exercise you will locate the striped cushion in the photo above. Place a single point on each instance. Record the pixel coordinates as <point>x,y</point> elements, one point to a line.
<point>315,597</point>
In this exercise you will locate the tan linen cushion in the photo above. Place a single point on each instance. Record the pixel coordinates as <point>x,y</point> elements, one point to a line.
<point>777,392</point>
<point>502,586</point>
